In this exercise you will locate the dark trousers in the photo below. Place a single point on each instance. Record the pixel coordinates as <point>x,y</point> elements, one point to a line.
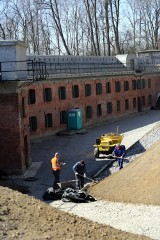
<point>56,178</point>
<point>120,163</point>
<point>79,181</point>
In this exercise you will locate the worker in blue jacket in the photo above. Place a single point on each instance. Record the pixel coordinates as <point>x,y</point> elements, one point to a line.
<point>80,173</point>
<point>119,153</point>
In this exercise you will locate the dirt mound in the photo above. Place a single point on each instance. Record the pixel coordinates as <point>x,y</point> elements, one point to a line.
<point>24,217</point>
<point>137,183</point>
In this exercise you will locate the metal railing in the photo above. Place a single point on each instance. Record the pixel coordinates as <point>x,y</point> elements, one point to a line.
<point>38,70</point>
<point>33,70</point>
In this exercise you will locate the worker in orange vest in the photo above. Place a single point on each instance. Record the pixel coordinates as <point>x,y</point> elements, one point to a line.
<point>56,168</point>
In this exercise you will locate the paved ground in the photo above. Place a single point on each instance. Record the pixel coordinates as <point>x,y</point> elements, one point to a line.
<point>77,147</point>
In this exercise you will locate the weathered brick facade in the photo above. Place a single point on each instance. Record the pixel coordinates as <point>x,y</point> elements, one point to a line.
<point>16,109</point>
<point>14,131</point>
<point>56,105</point>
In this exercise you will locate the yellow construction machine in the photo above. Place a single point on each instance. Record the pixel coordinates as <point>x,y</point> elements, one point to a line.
<point>106,143</point>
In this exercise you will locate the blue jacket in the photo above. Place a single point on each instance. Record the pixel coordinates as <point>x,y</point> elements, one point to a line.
<point>79,168</point>
<point>119,152</point>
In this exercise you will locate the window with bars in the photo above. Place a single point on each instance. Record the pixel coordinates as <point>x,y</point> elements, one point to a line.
<point>63,117</point>
<point>118,106</point>
<point>134,84</point>
<point>31,96</point>
<point>62,93</point>
<point>98,88</point>
<point>134,103</point>
<point>108,87</point>
<point>23,108</point>
<point>75,91</point>
<point>109,107</point>
<point>87,90</point>
<point>126,85</point>
<point>47,94</point>
<point>33,123</point>
<point>117,86</point>
<point>126,104</point>
<point>88,111</point>
<point>99,110</point>
<point>48,120</point>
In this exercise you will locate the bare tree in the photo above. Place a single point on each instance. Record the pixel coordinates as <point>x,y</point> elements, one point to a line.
<point>106,5</point>
<point>90,27</point>
<point>152,20</point>
<point>115,11</point>
<point>53,7</point>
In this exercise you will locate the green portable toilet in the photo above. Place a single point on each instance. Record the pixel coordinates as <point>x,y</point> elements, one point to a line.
<point>74,118</point>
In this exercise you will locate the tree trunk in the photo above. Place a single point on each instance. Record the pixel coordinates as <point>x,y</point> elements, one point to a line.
<point>106,5</point>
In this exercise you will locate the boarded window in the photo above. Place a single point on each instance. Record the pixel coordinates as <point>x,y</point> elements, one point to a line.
<point>139,84</point>
<point>108,87</point>
<point>109,107</point>
<point>134,103</point>
<point>126,85</point>
<point>143,83</point>
<point>134,84</point>
<point>47,94</point>
<point>63,117</point>
<point>31,96</point>
<point>98,88</point>
<point>75,91</point>
<point>126,104</point>
<point>33,123</point>
<point>48,120</point>
<point>62,93</point>
<point>117,86</point>
<point>87,90</point>
<point>99,110</point>
<point>88,112</point>
<point>118,106</point>
<point>149,83</point>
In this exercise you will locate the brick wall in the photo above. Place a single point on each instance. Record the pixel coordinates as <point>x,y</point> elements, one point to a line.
<point>13,157</point>
<point>15,154</point>
<point>40,108</point>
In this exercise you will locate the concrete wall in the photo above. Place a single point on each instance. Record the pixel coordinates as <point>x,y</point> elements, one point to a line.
<point>13,60</point>
<point>128,60</point>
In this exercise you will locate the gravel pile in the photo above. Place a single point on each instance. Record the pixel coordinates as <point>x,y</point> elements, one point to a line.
<point>140,219</point>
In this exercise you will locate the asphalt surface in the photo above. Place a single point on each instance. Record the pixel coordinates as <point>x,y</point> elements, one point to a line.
<point>80,146</point>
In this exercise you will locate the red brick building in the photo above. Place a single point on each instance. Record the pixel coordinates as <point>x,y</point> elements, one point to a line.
<point>33,109</point>
<point>99,98</point>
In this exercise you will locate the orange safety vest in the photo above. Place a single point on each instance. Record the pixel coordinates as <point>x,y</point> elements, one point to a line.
<point>55,164</point>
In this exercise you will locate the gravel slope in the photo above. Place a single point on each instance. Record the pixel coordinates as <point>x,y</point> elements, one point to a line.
<point>126,198</point>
